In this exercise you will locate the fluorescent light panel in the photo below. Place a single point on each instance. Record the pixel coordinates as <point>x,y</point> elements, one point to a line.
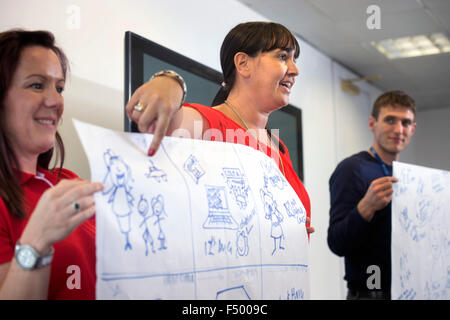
<point>415,46</point>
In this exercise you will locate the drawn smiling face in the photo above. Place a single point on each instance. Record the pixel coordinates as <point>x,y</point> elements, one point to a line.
<point>158,205</point>
<point>143,206</point>
<point>119,172</point>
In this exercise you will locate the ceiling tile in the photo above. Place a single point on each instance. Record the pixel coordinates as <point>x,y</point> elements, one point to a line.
<point>338,29</point>
<point>343,10</point>
<point>392,26</point>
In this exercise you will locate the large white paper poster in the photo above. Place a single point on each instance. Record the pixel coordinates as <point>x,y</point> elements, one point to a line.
<point>199,220</point>
<point>420,233</point>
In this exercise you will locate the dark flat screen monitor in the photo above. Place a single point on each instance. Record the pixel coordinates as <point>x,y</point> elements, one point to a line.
<point>143,58</point>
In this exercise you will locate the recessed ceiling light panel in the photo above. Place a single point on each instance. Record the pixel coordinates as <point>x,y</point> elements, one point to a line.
<point>414,46</point>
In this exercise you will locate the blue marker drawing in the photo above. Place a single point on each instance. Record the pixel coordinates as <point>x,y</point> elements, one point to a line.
<point>242,248</point>
<point>116,183</point>
<point>293,210</point>
<point>295,294</point>
<point>234,293</point>
<point>143,209</point>
<point>158,211</point>
<point>416,233</point>
<point>406,178</point>
<point>274,215</point>
<point>219,216</point>
<point>217,246</point>
<point>436,183</point>
<point>155,173</point>
<point>424,211</point>
<point>420,185</point>
<point>273,175</point>
<point>238,185</point>
<point>404,220</point>
<point>193,168</point>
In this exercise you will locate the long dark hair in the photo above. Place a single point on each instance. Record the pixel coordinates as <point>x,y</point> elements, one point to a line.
<point>251,38</point>
<point>12,43</point>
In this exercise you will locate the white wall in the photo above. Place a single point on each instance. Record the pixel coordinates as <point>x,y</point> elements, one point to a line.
<point>196,28</point>
<point>430,145</point>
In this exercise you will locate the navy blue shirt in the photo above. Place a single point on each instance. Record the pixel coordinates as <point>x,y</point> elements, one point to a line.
<point>362,243</point>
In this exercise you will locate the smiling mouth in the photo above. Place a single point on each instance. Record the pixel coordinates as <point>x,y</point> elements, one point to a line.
<point>286,84</point>
<point>46,121</point>
<point>120,176</point>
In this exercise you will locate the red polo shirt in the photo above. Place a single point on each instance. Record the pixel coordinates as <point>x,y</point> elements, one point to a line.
<point>217,120</point>
<point>73,267</point>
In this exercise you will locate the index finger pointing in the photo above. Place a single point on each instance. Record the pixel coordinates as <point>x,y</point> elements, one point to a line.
<point>160,132</point>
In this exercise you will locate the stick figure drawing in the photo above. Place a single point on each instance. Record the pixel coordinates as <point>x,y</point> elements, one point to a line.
<point>143,208</point>
<point>158,211</point>
<point>274,215</point>
<point>116,183</point>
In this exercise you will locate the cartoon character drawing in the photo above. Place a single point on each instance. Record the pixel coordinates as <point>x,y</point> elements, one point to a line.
<point>158,211</point>
<point>116,183</point>
<point>274,215</point>
<point>143,208</point>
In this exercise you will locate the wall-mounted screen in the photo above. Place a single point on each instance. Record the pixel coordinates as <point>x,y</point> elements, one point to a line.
<point>143,58</point>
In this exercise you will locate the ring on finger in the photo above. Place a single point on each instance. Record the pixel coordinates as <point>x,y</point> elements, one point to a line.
<point>139,107</point>
<point>76,206</point>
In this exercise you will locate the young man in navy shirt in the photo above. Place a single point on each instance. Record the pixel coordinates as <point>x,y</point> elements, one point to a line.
<point>361,189</point>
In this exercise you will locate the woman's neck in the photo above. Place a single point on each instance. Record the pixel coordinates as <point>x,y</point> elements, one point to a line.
<point>247,111</point>
<point>28,164</point>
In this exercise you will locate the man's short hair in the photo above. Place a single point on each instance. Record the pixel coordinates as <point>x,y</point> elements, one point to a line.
<point>393,98</point>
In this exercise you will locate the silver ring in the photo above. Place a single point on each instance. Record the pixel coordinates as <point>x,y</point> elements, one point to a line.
<point>139,107</point>
<point>76,206</point>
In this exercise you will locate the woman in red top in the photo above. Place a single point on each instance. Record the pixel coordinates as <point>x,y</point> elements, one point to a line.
<point>47,242</point>
<point>259,70</point>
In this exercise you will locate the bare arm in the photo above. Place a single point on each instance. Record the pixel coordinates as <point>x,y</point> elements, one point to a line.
<point>162,115</point>
<point>53,219</point>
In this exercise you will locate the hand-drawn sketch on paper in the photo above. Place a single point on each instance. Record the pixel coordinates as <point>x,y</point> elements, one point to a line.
<point>237,184</point>
<point>155,173</point>
<point>143,209</point>
<point>235,293</point>
<point>273,175</point>
<point>159,213</point>
<point>294,210</point>
<point>420,233</point>
<point>219,216</point>
<point>199,220</point>
<point>274,216</point>
<point>193,168</point>
<point>117,185</point>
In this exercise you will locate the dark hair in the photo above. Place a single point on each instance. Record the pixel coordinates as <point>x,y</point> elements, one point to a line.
<point>12,44</point>
<point>251,38</point>
<point>394,99</point>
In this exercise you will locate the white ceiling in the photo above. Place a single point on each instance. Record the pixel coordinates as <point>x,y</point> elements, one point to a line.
<point>338,29</point>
